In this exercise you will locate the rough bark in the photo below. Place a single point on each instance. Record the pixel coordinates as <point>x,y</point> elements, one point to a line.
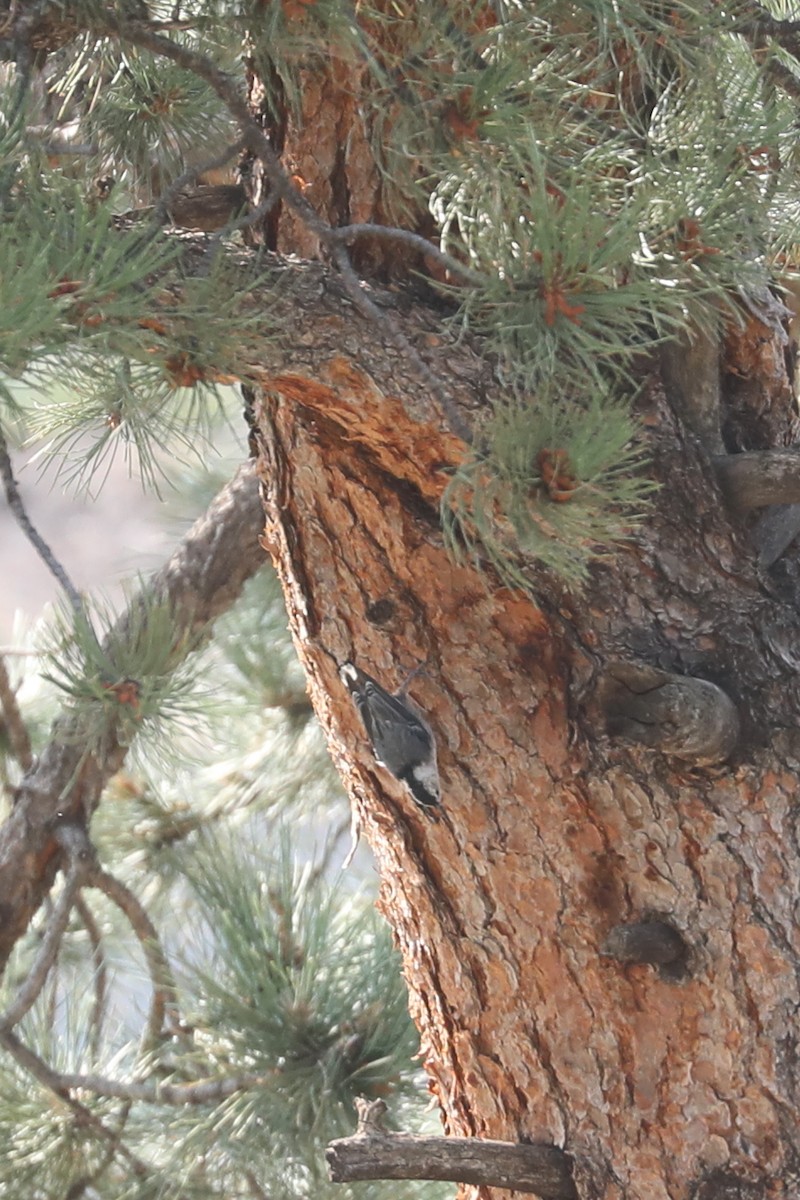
<point>550,1011</point>
<point>554,833</point>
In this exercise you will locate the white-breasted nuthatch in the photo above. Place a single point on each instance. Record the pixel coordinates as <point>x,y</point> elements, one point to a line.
<point>401,738</point>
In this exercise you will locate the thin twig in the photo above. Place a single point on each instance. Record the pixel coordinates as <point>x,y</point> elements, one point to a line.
<point>100,974</point>
<point>384,320</point>
<point>760,23</point>
<point>349,233</point>
<point>29,529</point>
<point>16,728</point>
<point>331,842</point>
<point>228,91</point>
<point>85,1181</point>
<point>255,1187</point>
<point>243,222</point>
<point>202,1091</point>
<point>14,117</point>
<point>162,205</point>
<point>164,990</point>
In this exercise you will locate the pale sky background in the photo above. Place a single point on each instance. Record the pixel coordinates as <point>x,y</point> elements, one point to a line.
<point>100,538</point>
<point>98,542</point>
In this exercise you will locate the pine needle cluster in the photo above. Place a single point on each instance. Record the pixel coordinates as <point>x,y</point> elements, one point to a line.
<point>286,995</point>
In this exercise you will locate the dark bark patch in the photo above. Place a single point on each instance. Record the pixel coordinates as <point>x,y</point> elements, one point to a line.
<point>725,1185</point>
<point>654,941</point>
<point>686,718</point>
<point>380,612</point>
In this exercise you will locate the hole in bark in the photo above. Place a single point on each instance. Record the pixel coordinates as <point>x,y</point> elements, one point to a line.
<point>724,1185</point>
<point>654,941</point>
<point>381,612</point>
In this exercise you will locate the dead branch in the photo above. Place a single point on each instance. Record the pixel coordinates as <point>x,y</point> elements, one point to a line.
<point>100,974</point>
<point>164,991</point>
<point>49,1078</point>
<point>373,1153</point>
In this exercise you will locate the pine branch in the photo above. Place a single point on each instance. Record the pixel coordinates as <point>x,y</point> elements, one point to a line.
<point>45,1075</point>
<point>283,188</point>
<point>139,34</point>
<point>373,1153</point>
<point>200,581</point>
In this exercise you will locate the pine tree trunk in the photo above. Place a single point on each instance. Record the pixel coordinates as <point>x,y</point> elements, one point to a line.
<point>553,833</point>
<point>600,937</point>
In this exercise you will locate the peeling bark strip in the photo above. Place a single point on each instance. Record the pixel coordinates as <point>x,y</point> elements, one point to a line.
<point>201,580</point>
<point>374,1153</point>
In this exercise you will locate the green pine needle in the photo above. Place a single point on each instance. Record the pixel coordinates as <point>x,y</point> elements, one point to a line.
<point>559,482</point>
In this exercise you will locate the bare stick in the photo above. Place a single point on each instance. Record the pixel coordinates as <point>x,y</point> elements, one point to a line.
<point>100,973</point>
<point>164,990</point>
<point>16,728</point>
<point>373,1153</point>
<point>29,529</point>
